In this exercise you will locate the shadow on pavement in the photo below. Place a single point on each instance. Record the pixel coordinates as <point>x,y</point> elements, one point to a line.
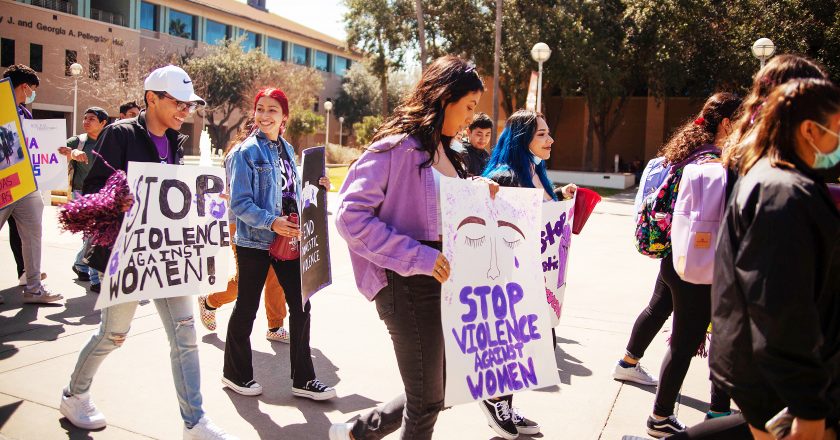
<point>22,326</point>
<point>273,372</point>
<point>568,365</point>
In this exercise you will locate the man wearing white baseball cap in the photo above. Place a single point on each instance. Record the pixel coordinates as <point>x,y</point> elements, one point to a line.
<point>151,137</point>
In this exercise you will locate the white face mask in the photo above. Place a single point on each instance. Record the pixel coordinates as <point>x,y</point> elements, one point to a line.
<point>31,98</point>
<point>535,159</point>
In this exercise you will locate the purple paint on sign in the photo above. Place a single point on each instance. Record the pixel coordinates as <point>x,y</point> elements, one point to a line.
<point>516,262</point>
<point>115,263</point>
<point>217,209</point>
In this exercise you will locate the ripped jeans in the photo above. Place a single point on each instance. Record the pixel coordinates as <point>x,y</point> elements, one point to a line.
<point>177,317</point>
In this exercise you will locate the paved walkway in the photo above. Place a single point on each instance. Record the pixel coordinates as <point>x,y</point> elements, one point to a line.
<point>609,283</point>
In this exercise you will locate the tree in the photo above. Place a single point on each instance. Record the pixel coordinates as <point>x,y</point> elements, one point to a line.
<point>421,33</point>
<point>381,28</point>
<point>366,129</point>
<point>360,95</point>
<point>301,124</point>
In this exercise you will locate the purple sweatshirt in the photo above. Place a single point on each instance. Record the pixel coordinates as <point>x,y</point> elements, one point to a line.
<point>388,204</point>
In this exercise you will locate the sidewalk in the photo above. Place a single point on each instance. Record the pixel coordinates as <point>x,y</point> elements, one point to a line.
<point>609,283</point>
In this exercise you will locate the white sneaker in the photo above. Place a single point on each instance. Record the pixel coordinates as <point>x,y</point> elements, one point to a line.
<point>341,431</point>
<point>635,374</point>
<point>251,388</point>
<point>81,411</point>
<point>42,296</point>
<point>206,430</point>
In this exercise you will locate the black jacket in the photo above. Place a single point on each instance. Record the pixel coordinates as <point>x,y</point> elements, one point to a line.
<point>776,295</point>
<point>127,141</point>
<point>474,158</point>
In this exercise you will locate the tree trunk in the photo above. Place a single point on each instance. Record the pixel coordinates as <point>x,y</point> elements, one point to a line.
<point>497,49</point>
<point>590,146</point>
<point>383,87</point>
<point>421,32</point>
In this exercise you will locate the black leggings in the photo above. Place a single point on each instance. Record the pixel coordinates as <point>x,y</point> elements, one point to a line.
<point>651,320</point>
<point>692,305</point>
<point>732,427</point>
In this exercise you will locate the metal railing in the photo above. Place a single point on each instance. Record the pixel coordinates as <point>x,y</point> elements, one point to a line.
<point>107,17</point>
<point>56,5</point>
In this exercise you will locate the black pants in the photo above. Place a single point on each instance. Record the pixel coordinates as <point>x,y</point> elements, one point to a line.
<point>692,305</point>
<point>16,245</point>
<point>651,320</point>
<point>253,266</point>
<point>410,307</point>
<point>732,427</point>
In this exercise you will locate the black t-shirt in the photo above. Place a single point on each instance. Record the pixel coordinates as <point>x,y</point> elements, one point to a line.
<point>287,181</point>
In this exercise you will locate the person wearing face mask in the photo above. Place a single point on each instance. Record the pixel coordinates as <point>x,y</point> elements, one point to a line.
<point>776,288</point>
<point>151,137</point>
<point>25,215</point>
<point>519,161</point>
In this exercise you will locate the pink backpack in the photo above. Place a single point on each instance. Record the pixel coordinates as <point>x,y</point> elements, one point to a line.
<point>697,216</point>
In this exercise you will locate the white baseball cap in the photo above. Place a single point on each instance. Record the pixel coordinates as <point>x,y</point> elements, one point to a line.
<point>173,80</point>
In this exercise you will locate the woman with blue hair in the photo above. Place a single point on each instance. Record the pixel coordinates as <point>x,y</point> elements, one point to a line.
<point>518,160</point>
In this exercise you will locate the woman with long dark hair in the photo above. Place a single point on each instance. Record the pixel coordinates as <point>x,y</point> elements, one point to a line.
<point>518,160</point>
<point>390,217</point>
<point>775,303</point>
<point>264,193</point>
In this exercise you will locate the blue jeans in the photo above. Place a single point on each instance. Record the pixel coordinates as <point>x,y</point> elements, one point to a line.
<point>177,317</point>
<point>79,264</point>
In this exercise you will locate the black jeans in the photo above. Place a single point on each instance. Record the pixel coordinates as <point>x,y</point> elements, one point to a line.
<point>692,305</point>
<point>410,307</point>
<point>651,320</point>
<point>732,427</point>
<point>16,245</point>
<point>253,266</point>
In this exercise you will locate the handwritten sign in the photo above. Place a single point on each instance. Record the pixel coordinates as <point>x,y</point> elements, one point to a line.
<point>43,138</point>
<point>315,242</point>
<point>16,177</point>
<point>555,239</point>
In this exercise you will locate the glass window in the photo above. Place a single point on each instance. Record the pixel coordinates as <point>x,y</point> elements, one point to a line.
<point>93,66</point>
<point>7,52</point>
<point>181,24</point>
<point>300,55</point>
<point>36,57</point>
<point>251,40</point>
<point>69,59</point>
<point>342,65</point>
<point>276,49</point>
<point>216,32</point>
<point>322,61</point>
<point>149,16</point>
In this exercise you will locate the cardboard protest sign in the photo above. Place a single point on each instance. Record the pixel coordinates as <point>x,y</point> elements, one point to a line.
<point>315,242</point>
<point>493,309</point>
<point>16,177</point>
<point>555,239</point>
<point>174,240</point>
<point>43,138</point>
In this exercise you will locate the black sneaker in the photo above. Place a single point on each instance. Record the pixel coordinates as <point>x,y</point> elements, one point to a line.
<point>664,427</point>
<point>314,390</point>
<point>96,287</point>
<point>80,274</point>
<point>499,418</point>
<point>523,424</point>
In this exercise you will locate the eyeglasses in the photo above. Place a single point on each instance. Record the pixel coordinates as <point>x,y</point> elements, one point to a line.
<point>190,107</point>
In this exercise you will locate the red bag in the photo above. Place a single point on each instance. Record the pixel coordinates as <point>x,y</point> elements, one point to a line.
<point>285,248</point>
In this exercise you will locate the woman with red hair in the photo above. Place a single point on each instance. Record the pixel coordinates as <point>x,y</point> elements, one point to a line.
<point>264,194</point>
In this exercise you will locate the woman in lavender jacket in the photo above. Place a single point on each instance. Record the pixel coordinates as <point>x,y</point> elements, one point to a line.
<point>390,217</point>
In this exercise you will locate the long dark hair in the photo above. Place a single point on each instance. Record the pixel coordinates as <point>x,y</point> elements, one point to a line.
<point>779,70</point>
<point>702,129</point>
<point>421,113</point>
<point>513,155</point>
<point>774,133</point>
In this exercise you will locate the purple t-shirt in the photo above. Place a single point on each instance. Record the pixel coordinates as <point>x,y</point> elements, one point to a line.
<point>162,145</point>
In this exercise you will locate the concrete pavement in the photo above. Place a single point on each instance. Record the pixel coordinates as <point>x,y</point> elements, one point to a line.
<point>609,283</point>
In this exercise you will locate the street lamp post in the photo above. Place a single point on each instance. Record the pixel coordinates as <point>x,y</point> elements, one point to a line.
<point>328,105</point>
<point>75,72</point>
<point>340,129</point>
<point>540,53</point>
<point>763,49</point>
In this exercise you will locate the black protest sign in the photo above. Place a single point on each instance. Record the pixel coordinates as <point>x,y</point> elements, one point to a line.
<point>314,243</point>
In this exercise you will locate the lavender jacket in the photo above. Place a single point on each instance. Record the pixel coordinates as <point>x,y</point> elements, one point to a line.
<point>388,204</point>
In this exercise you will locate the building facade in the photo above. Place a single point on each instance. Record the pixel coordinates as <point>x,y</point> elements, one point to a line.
<point>111,35</point>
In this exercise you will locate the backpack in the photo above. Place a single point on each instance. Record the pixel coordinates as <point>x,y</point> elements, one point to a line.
<point>698,212</point>
<point>653,227</point>
<point>652,179</point>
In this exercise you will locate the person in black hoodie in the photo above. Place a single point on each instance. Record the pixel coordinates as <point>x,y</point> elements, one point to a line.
<point>776,290</point>
<point>152,137</point>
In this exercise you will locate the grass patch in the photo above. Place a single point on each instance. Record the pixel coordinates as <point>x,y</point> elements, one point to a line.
<point>337,176</point>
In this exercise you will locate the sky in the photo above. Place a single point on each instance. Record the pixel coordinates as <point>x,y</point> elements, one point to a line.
<point>325,16</point>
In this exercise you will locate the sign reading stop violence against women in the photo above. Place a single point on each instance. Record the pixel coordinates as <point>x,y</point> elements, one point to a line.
<point>174,241</point>
<point>496,325</point>
<point>315,241</point>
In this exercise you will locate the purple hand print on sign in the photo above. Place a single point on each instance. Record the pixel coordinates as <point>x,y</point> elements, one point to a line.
<point>114,266</point>
<point>217,209</point>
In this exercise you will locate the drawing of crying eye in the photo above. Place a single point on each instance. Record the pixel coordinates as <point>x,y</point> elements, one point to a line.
<point>475,242</point>
<point>512,244</point>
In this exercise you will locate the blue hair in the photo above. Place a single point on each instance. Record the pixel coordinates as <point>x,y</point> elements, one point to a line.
<point>512,154</point>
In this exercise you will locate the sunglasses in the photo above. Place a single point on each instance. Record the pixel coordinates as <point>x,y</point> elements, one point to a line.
<point>180,105</point>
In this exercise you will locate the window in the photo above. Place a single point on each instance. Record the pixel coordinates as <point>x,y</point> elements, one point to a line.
<point>149,14</point>
<point>342,65</point>
<point>276,49</point>
<point>36,57</point>
<point>216,32</point>
<point>181,24</point>
<point>251,40</point>
<point>322,61</point>
<point>300,55</point>
<point>124,70</point>
<point>93,66</point>
<point>69,58</point>
<point>7,47</point>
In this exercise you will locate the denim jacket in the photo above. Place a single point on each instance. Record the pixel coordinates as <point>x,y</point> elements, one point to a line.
<point>255,193</point>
